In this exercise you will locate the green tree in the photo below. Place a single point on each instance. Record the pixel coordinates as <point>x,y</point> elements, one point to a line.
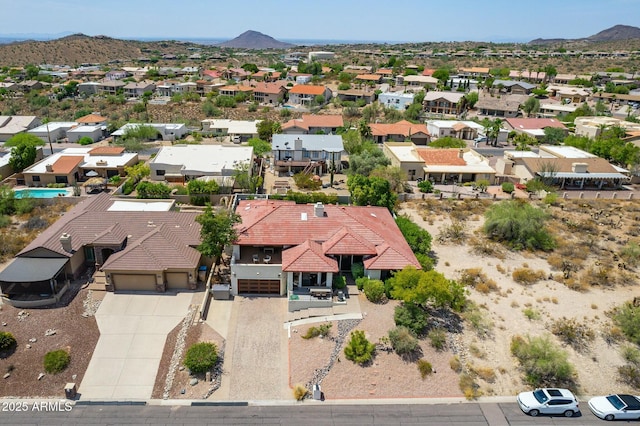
<point>372,191</point>
<point>260,147</point>
<point>246,179</point>
<point>200,191</point>
<point>441,74</point>
<point>543,363</point>
<point>395,175</point>
<point>412,285</point>
<point>359,349</point>
<point>85,140</point>
<point>531,106</point>
<point>553,135</point>
<point>472,99</point>
<point>418,238</point>
<point>201,357</point>
<point>448,142</point>
<point>367,160</point>
<point>413,111</point>
<point>267,128</point>
<point>217,231</point>
<point>23,150</point>
<point>519,225</point>
<point>253,68</point>
<point>152,190</point>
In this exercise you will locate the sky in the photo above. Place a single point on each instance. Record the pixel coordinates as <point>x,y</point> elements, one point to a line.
<point>365,20</point>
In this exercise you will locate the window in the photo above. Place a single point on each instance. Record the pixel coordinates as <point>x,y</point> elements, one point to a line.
<point>160,172</point>
<point>62,179</point>
<point>305,154</point>
<point>36,178</point>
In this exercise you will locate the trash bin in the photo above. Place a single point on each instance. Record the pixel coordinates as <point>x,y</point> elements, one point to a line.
<point>70,391</point>
<point>202,273</point>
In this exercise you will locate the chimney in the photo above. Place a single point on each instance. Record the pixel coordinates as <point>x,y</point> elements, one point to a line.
<point>49,168</point>
<point>65,240</point>
<point>318,209</point>
<point>461,153</point>
<point>297,144</point>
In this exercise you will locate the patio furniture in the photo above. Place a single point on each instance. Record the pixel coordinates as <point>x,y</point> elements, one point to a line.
<point>256,258</point>
<point>267,259</point>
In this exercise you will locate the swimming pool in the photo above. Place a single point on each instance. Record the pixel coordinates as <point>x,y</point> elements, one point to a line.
<point>41,192</point>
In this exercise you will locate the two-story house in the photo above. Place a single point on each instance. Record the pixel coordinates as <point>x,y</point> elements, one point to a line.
<point>299,152</point>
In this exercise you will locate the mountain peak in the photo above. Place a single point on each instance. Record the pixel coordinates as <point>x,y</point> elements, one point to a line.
<point>255,40</point>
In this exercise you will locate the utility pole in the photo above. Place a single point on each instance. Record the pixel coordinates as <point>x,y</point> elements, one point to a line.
<point>49,137</point>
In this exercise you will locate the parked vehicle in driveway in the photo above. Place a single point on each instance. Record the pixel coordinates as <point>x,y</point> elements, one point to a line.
<point>617,406</point>
<point>548,401</point>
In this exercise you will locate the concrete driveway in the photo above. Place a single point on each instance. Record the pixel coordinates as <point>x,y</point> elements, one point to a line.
<point>133,331</point>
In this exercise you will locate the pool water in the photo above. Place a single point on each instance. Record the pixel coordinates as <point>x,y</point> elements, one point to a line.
<point>41,192</point>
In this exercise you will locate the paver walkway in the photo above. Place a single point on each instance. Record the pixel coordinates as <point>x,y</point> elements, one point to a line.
<point>133,331</point>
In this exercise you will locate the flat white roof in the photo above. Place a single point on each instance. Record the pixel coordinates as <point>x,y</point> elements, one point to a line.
<point>158,126</point>
<point>85,129</point>
<point>53,126</point>
<point>244,127</point>
<point>451,123</point>
<point>566,151</point>
<point>141,206</point>
<point>206,159</point>
<point>90,161</point>
<point>404,152</point>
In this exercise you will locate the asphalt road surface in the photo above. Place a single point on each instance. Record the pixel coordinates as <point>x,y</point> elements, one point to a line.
<point>467,414</point>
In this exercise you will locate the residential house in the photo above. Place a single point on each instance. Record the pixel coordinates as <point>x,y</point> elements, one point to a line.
<point>441,165</point>
<point>306,95</point>
<point>550,110</point>
<point>239,130</point>
<point>52,131</point>
<point>503,106</point>
<point>465,130</point>
<point>11,125</point>
<point>372,79</point>
<point>166,131</point>
<point>269,93</point>
<point>535,76</point>
<point>137,89</point>
<point>386,74</point>
<point>320,56</point>
<point>88,88</point>
<point>396,100</point>
<point>616,98</point>
<point>416,81</point>
<point>442,103</point>
<point>313,124</point>
<point>514,87</point>
<point>592,127</point>
<point>400,132</point>
<point>181,163</point>
<point>95,133</point>
<point>236,74</point>
<point>568,78</point>
<point>318,242</point>
<point>474,72</point>
<point>301,152</point>
<point>9,86</point>
<point>299,78</point>
<point>92,120</point>
<point>135,251</point>
<point>116,75</point>
<point>566,167</point>
<point>266,75</point>
<point>112,87</point>
<point>357,95</point>
<point>71,165</point>
<point>236,89</point>
<point>533,127</point>
<point>29,85</point>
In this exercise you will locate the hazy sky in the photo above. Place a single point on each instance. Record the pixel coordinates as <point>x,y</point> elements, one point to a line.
<point>390,20</point>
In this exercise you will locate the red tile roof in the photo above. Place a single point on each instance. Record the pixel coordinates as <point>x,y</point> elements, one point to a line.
<point>67,163</point>
<point>534,123</point>
<point>403,127</point>
<point>107,150</point>
<point>369,77</point>
<point>358,228</point>
<point>441,156</point>
<point>387,258</point>
<point>308,89</point>
<point>91,118</point>
<point>311,120</point>
<point>384,71</point>
<point>307,257</point>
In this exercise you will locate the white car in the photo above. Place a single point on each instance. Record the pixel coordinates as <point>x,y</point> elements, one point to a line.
<point>548,401</point>
<point>613,407</point>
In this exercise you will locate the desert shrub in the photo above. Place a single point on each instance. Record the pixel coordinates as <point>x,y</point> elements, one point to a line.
<point>128,187</point>
<point>403,341</point>
<point>601,276</point>
<point>411,316</point>
<point>300,392</point>
<point>527,276</point>
<point>631,253</point>
<point>627,317</point>
<point>612,335</point>
<point>631,354</point>
<point>572,333</point>
<point>339,282</point>
<point>24,205</point>
<point>85,140</point>
<point>531,314</point>
<point>425,186</point>
<point>321,330</point>
<point>56,361</point>
<point>374,290</point>
<point>455,364</point>
<point>7,341</point>
<point>474,277</point>
<point>485,247</point>
<point>437,338</point>
<point>359,349</point>
<point>360,282</point>
<point>34,223</point>
<point>487,374</point>
<point>425,368</point>
<point>630,375</point>
<point>478,320</point>
<point>550,198</point>
<point>201,357</point>
<point>5,221</point>
<point>456,232</point>
<point>508,187</point>
<point>469,387</point>
<point>556,261</point>
<point>357,270</point>
<point>542,362</point>
<point>519,225</point>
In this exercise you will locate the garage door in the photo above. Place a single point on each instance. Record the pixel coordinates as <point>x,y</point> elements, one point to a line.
<point>177,280</point>
<point>259,286</point>
<point>132,282</point>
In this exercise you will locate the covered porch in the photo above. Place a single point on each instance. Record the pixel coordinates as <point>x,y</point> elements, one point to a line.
<point>31,282</point>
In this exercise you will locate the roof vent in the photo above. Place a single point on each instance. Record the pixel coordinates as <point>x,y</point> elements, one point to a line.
<point>65,240</point>
<point>150,223</point>
<point>49,168</point>
<point>303,217</point>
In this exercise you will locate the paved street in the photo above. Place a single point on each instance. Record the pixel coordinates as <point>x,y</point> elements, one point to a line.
<point>308,413</point>
<point>133,330</point>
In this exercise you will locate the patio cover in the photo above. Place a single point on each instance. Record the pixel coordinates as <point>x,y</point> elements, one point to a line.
<point>32,269</point>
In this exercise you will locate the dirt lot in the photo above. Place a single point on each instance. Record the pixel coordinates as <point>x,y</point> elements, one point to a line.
<point>75,331</point>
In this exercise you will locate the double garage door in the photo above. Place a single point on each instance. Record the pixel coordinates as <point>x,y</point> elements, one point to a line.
<point>147,282</point>
<point>259,286</point>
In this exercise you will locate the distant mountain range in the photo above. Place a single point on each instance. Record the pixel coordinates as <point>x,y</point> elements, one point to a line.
<point>255,40</point>
<point>615,33</point>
